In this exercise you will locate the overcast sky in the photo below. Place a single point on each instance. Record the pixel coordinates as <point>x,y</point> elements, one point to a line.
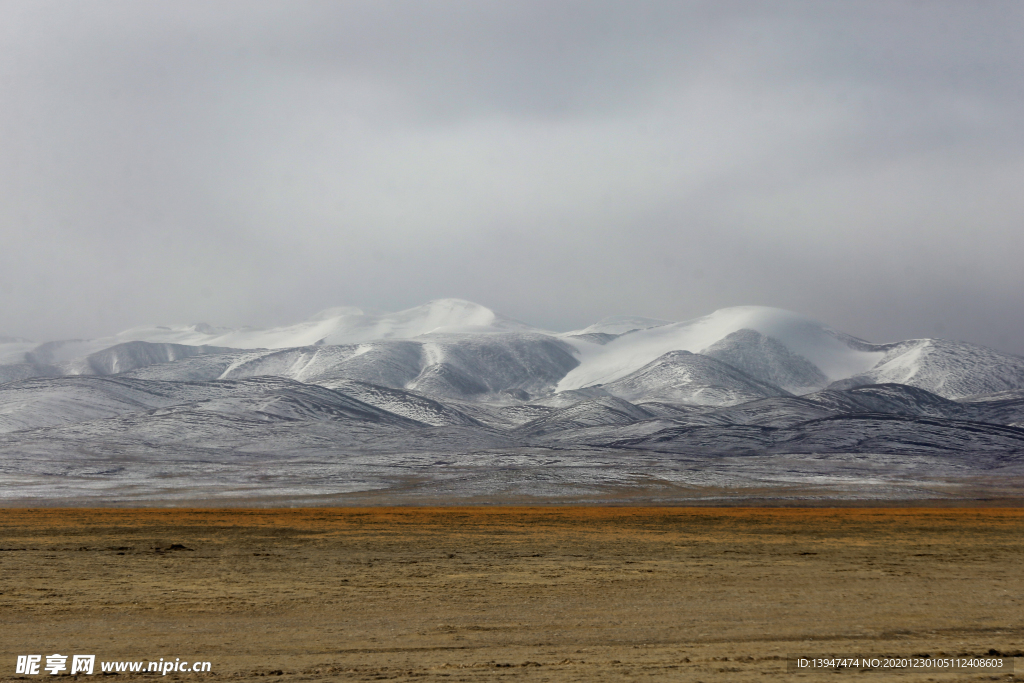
<point>255,162</point>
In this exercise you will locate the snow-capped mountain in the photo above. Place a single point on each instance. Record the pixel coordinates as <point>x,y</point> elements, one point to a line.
<point>454,399</point>
<point>342,325</point>
<point>764,342</point>
<point>495,366</point>
<point>947,368</point>
<point>461,350</point>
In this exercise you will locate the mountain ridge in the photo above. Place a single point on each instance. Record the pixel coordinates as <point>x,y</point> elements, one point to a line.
<point>460,350</point>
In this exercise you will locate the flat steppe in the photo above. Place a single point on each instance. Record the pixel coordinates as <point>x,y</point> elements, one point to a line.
<point>516,594</point>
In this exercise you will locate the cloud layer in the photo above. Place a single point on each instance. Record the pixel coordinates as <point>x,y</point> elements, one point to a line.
<point>254,162</point>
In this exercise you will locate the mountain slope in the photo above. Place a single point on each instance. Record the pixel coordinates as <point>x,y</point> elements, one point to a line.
<point>602,411</point>
<point>846,434</point>
<point>405,403</point>
<point>947,368</point>
<point>39,403</point>
<point>34,403</point>
<point>890,399</point>
<point>767,360</point>
<point>684,377</point>
<point>1005,407</point>
<point>459,366</point>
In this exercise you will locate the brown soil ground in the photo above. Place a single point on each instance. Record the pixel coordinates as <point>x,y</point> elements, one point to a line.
<point>511,594</point>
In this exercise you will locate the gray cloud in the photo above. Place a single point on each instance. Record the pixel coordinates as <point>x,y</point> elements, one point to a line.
<point>251,163</point>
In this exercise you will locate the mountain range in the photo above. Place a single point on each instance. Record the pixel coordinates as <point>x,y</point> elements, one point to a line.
<point>451,400</point>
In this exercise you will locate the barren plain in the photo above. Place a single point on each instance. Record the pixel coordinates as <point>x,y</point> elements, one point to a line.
<point>511,594</point>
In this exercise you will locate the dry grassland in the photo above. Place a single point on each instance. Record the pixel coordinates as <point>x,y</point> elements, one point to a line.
<point>511,594</point>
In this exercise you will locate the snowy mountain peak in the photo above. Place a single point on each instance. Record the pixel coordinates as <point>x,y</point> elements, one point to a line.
<point>339,325</point>
<point>449,313</point>
<point>821,351</point>
<point>437,316</point>
<point>947,368</point>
